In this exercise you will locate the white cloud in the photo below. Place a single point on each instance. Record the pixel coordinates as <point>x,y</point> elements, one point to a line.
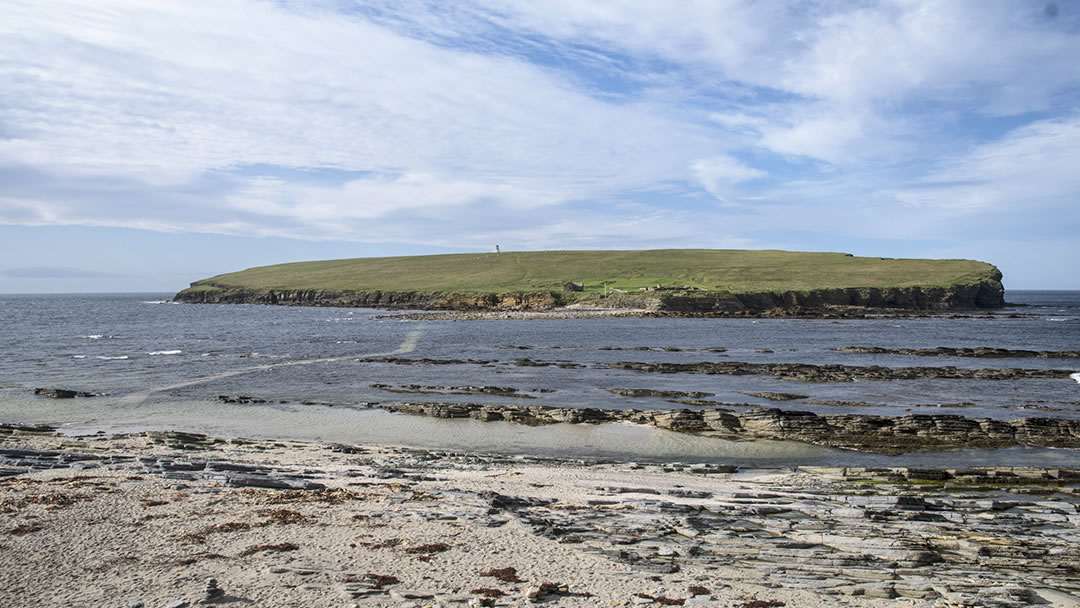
<point>164,92</point>
<point>1033,167</point>
<point>718,175</point>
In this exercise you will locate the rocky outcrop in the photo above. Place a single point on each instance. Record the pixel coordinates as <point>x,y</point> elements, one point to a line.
<point>62,393</point>
<point>988,293</point>
<point>808,372</point>
<point>883,434</point>
<point>391,300</point>
<point>797,372</point>
<point>982,352</point>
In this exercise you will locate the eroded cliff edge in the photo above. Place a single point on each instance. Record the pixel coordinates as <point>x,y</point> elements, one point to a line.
<point>985,294</point>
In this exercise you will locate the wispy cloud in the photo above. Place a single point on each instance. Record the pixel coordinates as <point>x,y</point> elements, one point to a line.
<point>1033,167</point>
<point>719,174</point>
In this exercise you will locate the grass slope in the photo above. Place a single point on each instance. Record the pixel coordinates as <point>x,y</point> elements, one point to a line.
<point>734,271</point>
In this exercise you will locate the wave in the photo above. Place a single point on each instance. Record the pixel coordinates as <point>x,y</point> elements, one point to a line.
<point>78,356</point>
<point>1076,377</point>
<point>93,337</point>
<point>156,353</point>
<point>159,302</point>
<point>117,358</point>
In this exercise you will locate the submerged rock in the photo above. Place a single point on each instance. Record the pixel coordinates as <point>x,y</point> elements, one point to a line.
<point>945,351</point>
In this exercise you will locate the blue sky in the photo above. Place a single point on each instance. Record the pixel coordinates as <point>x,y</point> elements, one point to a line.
<point>145,145</point>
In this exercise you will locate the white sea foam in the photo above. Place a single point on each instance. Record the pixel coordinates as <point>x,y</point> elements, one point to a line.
<point>117,358</point>
<point>93,337</point>
<point>164,352</point>
<point>78,356</point>
<point>1076,377</point>
<point>159,302</point>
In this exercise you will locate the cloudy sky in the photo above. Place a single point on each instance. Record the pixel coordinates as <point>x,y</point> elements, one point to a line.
<point>146,144</point>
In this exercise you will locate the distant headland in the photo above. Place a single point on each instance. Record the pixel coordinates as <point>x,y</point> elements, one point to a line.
<point>663,281</point>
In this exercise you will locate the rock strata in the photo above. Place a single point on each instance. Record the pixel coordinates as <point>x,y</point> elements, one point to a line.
<point>648,392</point>
<point>799,372</point>
<point>771,396</point>
<point>883,434</point>
<point>986,294</point>
<point>806,372</point>
<point>946,351</point>
<point>390,300</point>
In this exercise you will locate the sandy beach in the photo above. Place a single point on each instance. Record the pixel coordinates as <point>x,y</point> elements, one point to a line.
<point>149,517</point>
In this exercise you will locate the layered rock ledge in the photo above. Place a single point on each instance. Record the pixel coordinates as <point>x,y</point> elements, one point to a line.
<point>882,434</point>
<point>799,372</point>
<point>981,352</point>
<point>807,372</point>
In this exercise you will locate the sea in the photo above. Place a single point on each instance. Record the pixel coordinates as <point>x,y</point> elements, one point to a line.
<point>314,374</point>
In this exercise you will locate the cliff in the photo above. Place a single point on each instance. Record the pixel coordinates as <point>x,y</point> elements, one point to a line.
<point>988,294</point>
<point>389,300</point>
<point>984,295</point>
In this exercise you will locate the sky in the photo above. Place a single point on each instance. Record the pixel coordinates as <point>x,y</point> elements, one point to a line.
<point>148,144</point>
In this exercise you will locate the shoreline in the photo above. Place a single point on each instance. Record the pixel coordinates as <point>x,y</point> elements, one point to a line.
<point>697,417</point>
<point>149,516</point>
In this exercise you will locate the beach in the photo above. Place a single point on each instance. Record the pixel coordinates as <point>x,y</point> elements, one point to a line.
<point>149,517</point>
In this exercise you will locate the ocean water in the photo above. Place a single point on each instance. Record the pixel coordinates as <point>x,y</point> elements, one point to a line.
<point>157,364</point>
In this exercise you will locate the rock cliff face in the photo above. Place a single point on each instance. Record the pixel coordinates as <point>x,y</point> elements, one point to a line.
<point>986,294</point>
<point>391,300</point>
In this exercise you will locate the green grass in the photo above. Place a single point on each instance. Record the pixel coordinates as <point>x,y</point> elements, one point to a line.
<point>735,271</point>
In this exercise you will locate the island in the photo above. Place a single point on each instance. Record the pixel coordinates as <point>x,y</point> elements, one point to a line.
<point>665,281</point>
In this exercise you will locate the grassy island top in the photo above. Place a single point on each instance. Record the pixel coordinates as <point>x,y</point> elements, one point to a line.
<point>733,271</point>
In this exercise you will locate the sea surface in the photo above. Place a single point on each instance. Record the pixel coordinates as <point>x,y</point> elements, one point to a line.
<point>156,364</point>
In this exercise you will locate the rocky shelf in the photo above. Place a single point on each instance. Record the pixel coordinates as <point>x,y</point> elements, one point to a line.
<point>982,352</point>
<point>806,372</point>
<point>882,434</point>
<point>800,372</point>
